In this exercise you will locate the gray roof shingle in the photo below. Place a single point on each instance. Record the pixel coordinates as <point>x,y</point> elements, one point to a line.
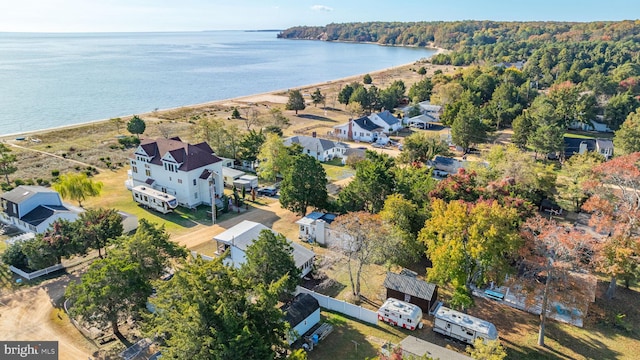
<point>409,285</point>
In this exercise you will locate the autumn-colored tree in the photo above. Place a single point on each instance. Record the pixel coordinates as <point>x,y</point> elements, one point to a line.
<point>405,220</point>
<point>363,238</point>
<point>615,208</point>
<point>490,350</point>
<point>460,186</point>
<point>552,265</point>
<point>470,244</point>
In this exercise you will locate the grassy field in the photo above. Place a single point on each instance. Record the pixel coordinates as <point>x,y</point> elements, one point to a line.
<point>336,170</point>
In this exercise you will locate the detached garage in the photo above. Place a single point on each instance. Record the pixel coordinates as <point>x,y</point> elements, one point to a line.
<point>412,290</point>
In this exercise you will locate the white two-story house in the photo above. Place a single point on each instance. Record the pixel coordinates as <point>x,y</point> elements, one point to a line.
<point>191,173</point>
<point>361,129</point>
<point>319,149</point>
<point>34,208</point>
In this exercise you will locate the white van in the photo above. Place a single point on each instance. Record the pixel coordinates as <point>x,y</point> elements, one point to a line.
<point>400,313</point>
<point>462,326</point>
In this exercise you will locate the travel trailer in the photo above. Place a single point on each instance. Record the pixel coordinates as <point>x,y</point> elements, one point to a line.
<point>400,313</point>
<point>154,199</point>
<point>462,326</point>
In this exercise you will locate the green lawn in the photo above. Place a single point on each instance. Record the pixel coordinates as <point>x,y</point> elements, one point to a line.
<point>336,171</point>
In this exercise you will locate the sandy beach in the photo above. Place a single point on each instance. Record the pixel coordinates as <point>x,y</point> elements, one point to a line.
<point>95,144</point>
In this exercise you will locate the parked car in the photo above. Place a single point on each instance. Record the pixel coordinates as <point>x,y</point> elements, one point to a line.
<point>268,191</point>
<point>377,145</point>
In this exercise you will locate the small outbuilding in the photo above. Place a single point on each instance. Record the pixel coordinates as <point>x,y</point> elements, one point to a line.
<point>301,314</point>
<point>412,290</point>
<point>414,347</point>
<point>230,175</point>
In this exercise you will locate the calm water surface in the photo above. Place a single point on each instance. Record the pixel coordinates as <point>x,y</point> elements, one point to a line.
<point>49,80</point>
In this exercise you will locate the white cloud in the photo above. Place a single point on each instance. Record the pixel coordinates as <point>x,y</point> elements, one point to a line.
<point>321,8</point>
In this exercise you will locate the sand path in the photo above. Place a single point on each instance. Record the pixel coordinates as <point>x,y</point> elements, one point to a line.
<point>27,315</point>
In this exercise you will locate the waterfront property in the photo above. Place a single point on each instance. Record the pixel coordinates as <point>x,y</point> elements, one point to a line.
<point>191,173</point>
<point>361,129</point>
<point>238,238</point>
<point>34,208</point>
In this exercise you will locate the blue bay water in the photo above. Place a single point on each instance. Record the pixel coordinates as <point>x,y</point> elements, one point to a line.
<point>51,80</point>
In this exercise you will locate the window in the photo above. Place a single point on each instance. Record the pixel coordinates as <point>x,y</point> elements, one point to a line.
<point>195,195</point>
<point>194,182</point>
<point>147,172</point>
<point>135,170</point>
<point>133,162</point>
<point>179,181</point>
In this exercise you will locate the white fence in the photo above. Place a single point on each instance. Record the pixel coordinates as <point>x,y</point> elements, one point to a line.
<point>204,257</point>
<point>35,274</point>
<point>342,307</point>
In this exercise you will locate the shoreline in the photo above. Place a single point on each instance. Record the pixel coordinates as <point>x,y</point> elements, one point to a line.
<point>244,98</point>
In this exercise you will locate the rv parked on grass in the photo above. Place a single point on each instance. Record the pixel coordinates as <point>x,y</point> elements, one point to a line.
<point>462,326</point>
<point>400,313</point>
<point>154,199</point>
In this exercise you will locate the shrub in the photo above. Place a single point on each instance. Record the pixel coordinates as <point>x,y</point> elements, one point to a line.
<point>19,182</point>
<point>55,173</point>
<point>29,182</point>
<point>6,187</point>
<point>129,141</point>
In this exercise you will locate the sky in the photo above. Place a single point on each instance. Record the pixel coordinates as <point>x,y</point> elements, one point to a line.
<point>197,15</point>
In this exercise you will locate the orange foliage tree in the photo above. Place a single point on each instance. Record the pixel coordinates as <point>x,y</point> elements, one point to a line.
<point>615,210</point>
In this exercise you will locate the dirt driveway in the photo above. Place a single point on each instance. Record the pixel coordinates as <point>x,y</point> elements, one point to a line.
<point>29,314</point>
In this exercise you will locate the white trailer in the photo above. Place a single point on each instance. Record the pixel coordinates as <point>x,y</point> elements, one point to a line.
<point>252,179</point>
<point>462,326</point>
<point>154,199</point>
<point>400,313</point>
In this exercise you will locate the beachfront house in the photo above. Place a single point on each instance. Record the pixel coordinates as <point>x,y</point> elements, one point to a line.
<point>239,237</point>
<point>320,149</point>
<point>34,208</point>
<point>191,173</point>
<point>386,121</point>
<point>361,129</point>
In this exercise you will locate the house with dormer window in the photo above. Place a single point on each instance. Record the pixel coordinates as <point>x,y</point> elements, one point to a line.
<point>191,173</point>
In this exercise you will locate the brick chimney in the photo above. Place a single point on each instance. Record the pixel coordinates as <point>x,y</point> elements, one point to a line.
<point>350,131</point>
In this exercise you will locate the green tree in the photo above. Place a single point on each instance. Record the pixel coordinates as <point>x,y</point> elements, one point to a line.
<point>421,90</point>
<point>373,182</point>
<point>414,183</point>
<point>77,187</point>
<point>235,114</point>
<point>249,145</point>
<point>405,221</point>
<point>345,93</point>
<point>618,109</point>
<point>467,128</point>
<point>117,287</point>
<point>277,117</point>
<point>236,319</point>
<point>522,129</point>
<point>547,139</point>
<point>390,96</point>
<point>223,138</point>
<point>304,184</point>
<point>274,158</point>
<point>296,101</point>
<point>98,227</point>
<point>110,290</point>
<point>470,244</point>
<point>360,96</point>
<point>269,259</point>
<point>366,79</point>
<point>422,70</point>
<point>317,97</point>
<point>421,146</point>
<point>575,172</point>
<point>7,162</point>
<point>136,126</point>
<point>491,350</point>
<point>627,138</point>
